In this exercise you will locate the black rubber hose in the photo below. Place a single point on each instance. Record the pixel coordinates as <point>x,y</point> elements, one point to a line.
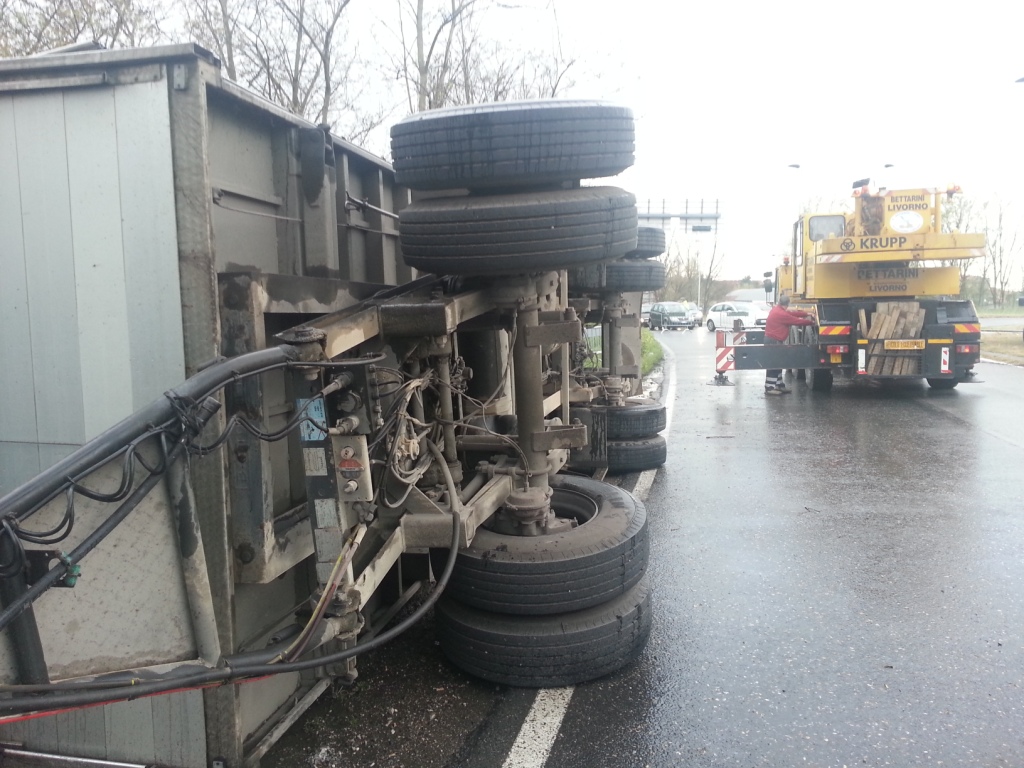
<point>45,486</point>
<point>209,407</point>
<point>244,665</point>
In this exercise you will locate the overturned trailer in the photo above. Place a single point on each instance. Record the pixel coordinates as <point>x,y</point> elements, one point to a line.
<point>309,428</point>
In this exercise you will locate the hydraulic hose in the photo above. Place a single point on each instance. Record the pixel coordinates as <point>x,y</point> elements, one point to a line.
<point>239,668</point>
<point>45,486</point>
<point>209,407</point>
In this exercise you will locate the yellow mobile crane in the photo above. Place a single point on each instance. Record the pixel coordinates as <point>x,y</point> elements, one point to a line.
<point>882,284</point>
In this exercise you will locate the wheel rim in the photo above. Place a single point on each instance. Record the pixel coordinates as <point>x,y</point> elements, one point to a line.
<point>566,504</point>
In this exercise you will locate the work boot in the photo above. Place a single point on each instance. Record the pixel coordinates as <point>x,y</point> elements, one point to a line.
<point>774,392</point>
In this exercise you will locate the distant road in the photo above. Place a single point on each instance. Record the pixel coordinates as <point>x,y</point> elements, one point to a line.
<point>1002,322</point>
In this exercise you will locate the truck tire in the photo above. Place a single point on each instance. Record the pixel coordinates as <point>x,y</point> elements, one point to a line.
<point>511,234</point>
<point>650,242</point>
<point>819,379</point>
<point>943,383</point>
<point>539,575</point>
<point>639,417</point>
<point>619,277</point>
<point>636,455</point>
<point>546,651</point>
<point>512,144</point>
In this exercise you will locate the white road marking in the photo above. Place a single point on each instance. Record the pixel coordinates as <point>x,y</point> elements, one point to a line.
<point>668,395</point>
<point>644,483</point>
<point>537,736</point>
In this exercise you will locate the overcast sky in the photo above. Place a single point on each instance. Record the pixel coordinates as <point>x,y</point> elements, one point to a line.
<point>727,95</point>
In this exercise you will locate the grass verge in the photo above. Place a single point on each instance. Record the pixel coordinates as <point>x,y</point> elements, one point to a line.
<point>651,352</point>
<point>1004,346</point>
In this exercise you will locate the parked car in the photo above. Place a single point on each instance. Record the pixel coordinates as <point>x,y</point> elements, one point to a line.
<point>645,315</point>
<point>670,314</point>
<point>696,316</point>
<point>724,314</point>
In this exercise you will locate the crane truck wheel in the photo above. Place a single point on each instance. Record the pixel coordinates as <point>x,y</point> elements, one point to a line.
<point>517,233</point>
<point>512,145</point>
<point>546,651</point>
<point>627,276</point>
<point>650,242</point>
<point>943,383</point>
<point>819,379</point>
<point>602,557</point>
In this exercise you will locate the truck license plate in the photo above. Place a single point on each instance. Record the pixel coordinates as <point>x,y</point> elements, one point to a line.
<point>835,357</point>
<point>904,343</point>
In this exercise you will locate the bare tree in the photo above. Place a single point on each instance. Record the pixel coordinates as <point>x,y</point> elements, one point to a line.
<point>959,214</point>
<point>445,59</point>
<point>32,26</point>
<point>1002,250</point>
<point>287,54</point>
<point>214,24</point>
<point>682,271</point>
<point>710,276</point>
<point>293,53</point>
<point>428,36</point>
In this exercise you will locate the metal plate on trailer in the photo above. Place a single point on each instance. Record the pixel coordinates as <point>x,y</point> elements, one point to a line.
<point>904,343</point>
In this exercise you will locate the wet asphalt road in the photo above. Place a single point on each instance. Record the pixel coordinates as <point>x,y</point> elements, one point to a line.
<point>840,582</point>
<point>841,574</point>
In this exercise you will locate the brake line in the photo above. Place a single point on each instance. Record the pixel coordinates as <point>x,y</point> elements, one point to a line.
<point>238,668</point>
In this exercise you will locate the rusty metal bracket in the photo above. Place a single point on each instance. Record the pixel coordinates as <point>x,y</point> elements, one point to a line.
<point>629,321</point>
<point>354,204</point>
<point>554,333</point>
<point>570,436</point>
<point>555,328</point>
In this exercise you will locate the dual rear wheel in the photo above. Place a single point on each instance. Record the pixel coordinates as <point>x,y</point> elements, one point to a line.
<point>567,607</point>
<point>558,609</point>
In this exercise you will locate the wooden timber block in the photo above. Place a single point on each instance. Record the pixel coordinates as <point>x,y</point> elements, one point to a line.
<point>890,323</point>
<point>901,324</point>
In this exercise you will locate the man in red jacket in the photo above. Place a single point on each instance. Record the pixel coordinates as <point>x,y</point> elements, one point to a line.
<point>776,331</point>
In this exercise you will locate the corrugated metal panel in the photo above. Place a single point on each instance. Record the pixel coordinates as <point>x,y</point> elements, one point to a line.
<point>49,266</point>
<point>179,730</point>
<point>150,240</point>
<point>168,730</point>
<point>90,307</point>
<point>17,416</point>
<point>18,463</point>
<point>82,732</point>
<point>94,197</point>
<point>130,730</point>
<point>242,165</point>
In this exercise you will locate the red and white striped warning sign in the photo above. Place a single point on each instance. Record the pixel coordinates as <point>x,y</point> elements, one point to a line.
<point>729,338</point>
<point>725,360</point>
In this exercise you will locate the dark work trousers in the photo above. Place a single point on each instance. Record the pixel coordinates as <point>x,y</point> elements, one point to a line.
<point>773,376</point>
